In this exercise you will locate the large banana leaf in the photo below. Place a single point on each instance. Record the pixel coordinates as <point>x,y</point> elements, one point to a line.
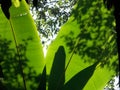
<point>21,55</point>
<point>89,47</point>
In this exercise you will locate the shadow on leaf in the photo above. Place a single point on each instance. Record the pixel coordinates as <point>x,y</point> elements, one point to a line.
<point>57,75</point>
<point>11,77</point>
<point>80,79</point>
<point>96,37</point>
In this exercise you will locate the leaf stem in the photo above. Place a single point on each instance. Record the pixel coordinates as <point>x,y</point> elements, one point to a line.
<point>19,61</point>
<point>73,51</point>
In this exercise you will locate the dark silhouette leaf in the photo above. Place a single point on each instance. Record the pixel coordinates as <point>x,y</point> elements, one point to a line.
<point>1,72</point>
<point>42,85</point>
<point>35,3</point>
<point>5,5</point>
<point>57,75</point>
<point>80,79</point>
<point>28,1</point>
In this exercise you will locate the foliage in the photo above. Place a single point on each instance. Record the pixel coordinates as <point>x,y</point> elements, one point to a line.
<point>87,38</point>
<point>83,53</point>
<point>50,15</point>
<point>115,5</point>
<point>19,47</point>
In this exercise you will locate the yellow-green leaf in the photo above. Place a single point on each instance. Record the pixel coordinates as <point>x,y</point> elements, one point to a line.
<point>89,66</point>
<point>21,52</point>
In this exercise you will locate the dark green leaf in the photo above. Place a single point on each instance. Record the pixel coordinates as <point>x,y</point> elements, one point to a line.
<point>57,75</point>
<point>5,5</point>
<point>42,84</point>
<point>79,81</point>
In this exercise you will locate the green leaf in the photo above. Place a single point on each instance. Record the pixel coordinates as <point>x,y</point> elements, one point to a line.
<point>80,79</point>
<point>82,49</point>
<point>16,3</point>
<point>42,84</point>
<point>57,75</point>
<point>20,49</point>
